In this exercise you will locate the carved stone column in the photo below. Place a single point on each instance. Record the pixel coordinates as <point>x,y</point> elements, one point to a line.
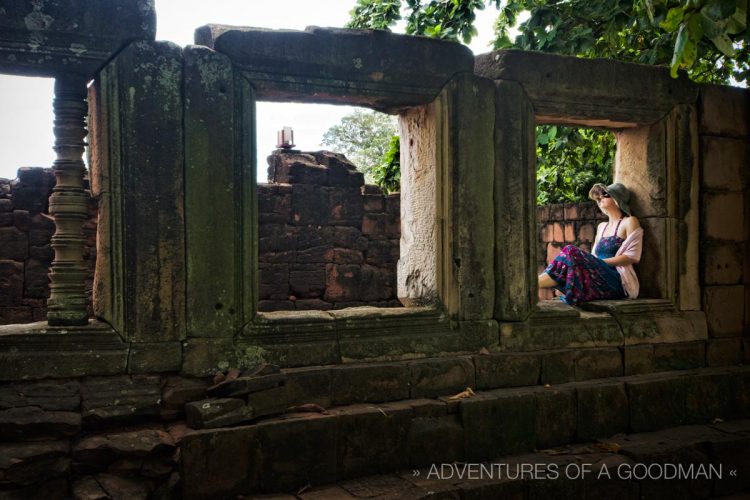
<point>67,205</point>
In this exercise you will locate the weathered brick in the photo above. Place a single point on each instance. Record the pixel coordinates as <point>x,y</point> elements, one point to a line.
<point>724,111</point>
<point>15,244</point>
<point>723,264</point>
<point>369,383</point>
<point>598,363</point>
<point>724,217</point>
<point>441,377</point>
<point>724,352</point>
<point>570,232</point>
<point>638,359</point>
<point>656,402</point>
<point>499,423</point>
<point>724,163</point>
<point>602,409</point>
<point>507,370</point>
<point>725,310</point>
<point>558,367</point>
<point>556,411</point>
<point>679,356</point>
<point>309,385</point>
<point>435,440</point>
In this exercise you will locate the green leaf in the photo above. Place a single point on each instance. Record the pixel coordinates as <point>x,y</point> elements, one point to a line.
<point>724,44</point>
<point>719,9</point>
<point>679,50</point>
<point>673,20</point>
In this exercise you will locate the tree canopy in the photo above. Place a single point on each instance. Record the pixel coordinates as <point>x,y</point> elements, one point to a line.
<point>706,38</point>
<point>364,137</point>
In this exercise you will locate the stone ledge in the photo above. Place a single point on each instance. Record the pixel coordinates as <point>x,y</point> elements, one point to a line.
<point>370,68</point>
<point>36,350</point>
<point>489,424</point>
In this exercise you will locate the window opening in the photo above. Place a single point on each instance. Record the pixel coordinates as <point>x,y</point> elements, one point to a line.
<point>569,161</point>
<point>328,235</point>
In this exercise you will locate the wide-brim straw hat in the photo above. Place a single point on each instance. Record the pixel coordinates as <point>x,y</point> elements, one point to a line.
<point>618,192</point>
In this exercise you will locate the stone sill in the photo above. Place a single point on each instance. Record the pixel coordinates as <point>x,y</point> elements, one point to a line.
<point>36,350</point>
<point>610,323</point>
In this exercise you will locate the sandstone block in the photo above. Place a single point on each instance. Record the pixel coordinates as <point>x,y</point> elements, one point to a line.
<point>501,423</point>
<point>638,359</point>
<point>370,383</point>
<point>308,280</point>
<point>724,352</point>
<point>11,282</point>
<point>435,440</point>
<point>15,244</point>
<point>154,357</point>
<point>558,367</point>
<point>222,412</point>
<point>95,453</point>
<point>556,412</point>
<point>27,463</point>
<point>343,283</point>
<point>709,396</point>
<point>30,422</point>
<point>602,410</point>
<point>507,370</point>
<point>47,395</point>
<point>586,232</point>
<point>372,440</point>
<point>296,452</point>
<point>724,111</point>
<point>119,400</point>
<point>268,402</point>
<point>724,163</point>
<point>598,363</point>
<point>679,356</point>
<point>242,386</point>
<point>441,377</point>
<point>724,217</point>
<point>310,204</point>
<point>725,310</point>
<point>309,385</point>
<point>373,203</point>
<point>657,402</point>
<point>723,265</point>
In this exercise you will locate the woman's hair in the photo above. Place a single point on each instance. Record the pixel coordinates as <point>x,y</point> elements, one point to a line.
<point>597,191</point>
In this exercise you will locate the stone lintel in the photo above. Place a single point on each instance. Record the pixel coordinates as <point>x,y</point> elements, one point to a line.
<point>51,39</point>
<point>36,351</point>
<point>592,92</point>
<point>364,67</point>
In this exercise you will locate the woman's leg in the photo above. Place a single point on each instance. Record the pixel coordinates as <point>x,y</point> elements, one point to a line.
<point>546,281</point>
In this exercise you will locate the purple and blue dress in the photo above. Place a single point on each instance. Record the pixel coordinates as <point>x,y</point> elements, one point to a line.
<point>582,276</point>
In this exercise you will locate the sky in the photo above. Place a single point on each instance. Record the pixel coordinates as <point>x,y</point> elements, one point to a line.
<point>26,103</point>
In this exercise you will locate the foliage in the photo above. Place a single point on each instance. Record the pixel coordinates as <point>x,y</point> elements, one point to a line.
<point>706,37</point>
<point>364,137</point>
<point>387,175</point>
<point>570,161</point>
<point>445,19</point>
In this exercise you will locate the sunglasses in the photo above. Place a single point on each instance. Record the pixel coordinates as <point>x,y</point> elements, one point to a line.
<point>605,195</point>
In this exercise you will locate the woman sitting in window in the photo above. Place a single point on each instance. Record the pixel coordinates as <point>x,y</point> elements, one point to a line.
<point>608,272</point>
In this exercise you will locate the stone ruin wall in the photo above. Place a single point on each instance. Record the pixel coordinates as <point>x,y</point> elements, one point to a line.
<point>327,240</point>
<point>563,224</point>
<point>25,250</point>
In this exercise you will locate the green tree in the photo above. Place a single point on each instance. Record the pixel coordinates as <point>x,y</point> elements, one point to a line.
<point>708,38</point>
<point>387,175</point>
<point>364,137</point>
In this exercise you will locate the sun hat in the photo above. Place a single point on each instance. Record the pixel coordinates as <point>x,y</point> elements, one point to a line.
<point>618,192</point>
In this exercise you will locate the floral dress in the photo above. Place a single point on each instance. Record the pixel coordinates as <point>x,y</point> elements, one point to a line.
<point>582,276</point>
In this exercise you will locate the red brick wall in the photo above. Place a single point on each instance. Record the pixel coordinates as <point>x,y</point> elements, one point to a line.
<point>563,224</point>
<point>327,240</point>
<point>25,251</point>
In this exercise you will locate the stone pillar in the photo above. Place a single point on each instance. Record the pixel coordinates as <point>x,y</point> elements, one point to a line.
<point>67,303</point>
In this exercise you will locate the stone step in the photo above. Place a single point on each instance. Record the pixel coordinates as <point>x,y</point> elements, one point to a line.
<point>699,461</point>
<point>285,453</point>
